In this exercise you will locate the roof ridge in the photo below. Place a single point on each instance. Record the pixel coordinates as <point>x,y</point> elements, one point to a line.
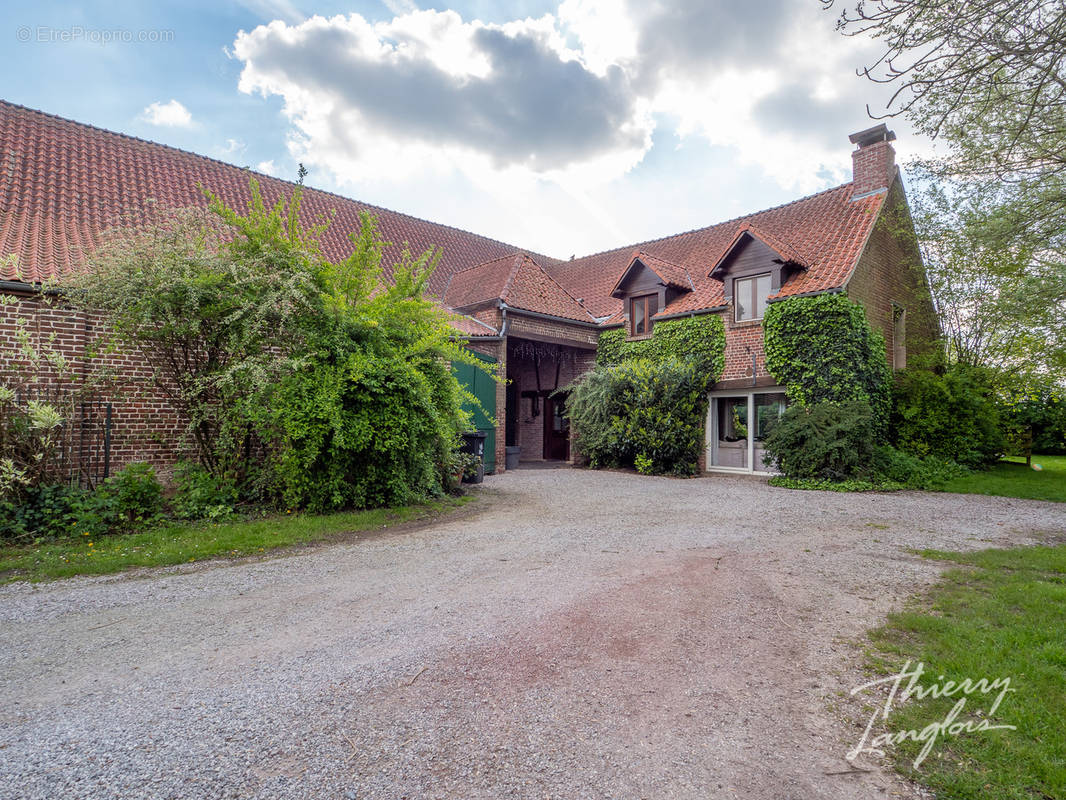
<point>566,291</point>
<point>211,159</point>
<point>639,245</point>
<point>519,259</point>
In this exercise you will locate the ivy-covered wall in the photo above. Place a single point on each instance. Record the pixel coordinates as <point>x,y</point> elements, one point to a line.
<point>700,339</point>
<point>822,349</point>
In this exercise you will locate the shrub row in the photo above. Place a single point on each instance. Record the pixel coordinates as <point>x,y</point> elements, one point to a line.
<point>130,500</point>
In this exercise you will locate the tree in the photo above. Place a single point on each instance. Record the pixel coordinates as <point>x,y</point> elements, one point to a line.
<point>216,305</point>
<point>988,76</point>
<point>998,303</point>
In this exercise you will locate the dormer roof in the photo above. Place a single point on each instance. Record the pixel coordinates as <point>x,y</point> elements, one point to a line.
<point>671,275</point>
<point>783,249</point>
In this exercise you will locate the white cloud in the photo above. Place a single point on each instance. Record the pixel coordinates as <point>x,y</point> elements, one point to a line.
<point>267,167</point>
<point>171,114</point>
<point>233,147</point>
<point>428,91</point>
<point>559,109</point>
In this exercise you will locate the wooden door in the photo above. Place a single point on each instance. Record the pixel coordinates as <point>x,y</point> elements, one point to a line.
<point>556,429</point>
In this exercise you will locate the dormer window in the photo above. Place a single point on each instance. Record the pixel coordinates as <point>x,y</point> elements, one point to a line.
<point>641,310</point>
<point>749,297</point>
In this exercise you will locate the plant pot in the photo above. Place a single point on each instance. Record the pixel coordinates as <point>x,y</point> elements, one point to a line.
<point>513,454</point>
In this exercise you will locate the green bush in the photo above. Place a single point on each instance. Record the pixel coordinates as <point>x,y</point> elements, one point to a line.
<point>1033,417</point>
<point>827,441</point>
<point>200,494</point>
<point>372,431</point>
<point>822,350</point>
<point>913,472</point>
<point>130,499</point>
<point>43,512</point>
<point>643,414</point>
<point>824,485</point>
<point>305,382</point>
<point>645,403</point>
<point>698,339</point>
<point>951,417</point>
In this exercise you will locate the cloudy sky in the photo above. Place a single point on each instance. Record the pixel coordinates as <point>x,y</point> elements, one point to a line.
<point>560,127</point>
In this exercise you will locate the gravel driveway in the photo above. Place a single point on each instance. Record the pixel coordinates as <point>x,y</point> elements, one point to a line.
<point>578,635</point>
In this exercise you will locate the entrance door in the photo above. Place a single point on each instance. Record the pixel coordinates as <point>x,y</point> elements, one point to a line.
<point>730,443</point>
<point>738,424</point>
<point>556,429</point>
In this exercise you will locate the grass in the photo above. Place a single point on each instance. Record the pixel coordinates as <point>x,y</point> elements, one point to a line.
<point>1002,614</point>
<point>182,543</point>
<point>1011,478</point>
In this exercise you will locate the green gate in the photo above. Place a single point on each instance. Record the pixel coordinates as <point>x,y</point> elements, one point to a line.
<point>483,387</point>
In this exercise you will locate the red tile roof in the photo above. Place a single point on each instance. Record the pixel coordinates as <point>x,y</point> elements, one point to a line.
<point>826,231</point>
<point>469,326</point>
<point>63,184</point>
<point>520,282</point>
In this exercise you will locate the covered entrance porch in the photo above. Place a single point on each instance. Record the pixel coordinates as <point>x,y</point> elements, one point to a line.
<point>535,418</point>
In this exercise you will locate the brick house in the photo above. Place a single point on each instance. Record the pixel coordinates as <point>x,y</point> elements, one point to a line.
<point>63,184</point>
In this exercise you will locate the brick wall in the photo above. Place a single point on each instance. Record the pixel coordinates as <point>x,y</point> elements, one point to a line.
<point>143,426</point>
<point>890,272</point>
<point>873,167</point>
<point>742,341</point>
<point>548,330</point>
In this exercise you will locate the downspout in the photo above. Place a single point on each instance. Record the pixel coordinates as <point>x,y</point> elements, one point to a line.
<point>505,321</point>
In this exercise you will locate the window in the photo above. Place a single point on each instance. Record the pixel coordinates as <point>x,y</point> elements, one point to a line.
<point>749,297</point>
<point>641,310</point>
<point>768,410</point>
<point>899,337</point>
<point>733,419</point>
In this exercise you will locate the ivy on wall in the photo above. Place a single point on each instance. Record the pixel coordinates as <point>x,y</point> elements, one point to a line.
<point>822,349</point>
<point>700,339</point>
<point>645,404</point>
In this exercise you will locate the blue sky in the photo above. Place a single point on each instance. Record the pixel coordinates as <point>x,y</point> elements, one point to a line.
<point>560,127</point>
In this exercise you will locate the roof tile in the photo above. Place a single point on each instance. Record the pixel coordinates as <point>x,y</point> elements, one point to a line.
<point>64,184</point>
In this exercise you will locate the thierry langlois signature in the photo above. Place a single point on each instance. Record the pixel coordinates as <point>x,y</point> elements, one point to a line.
<point>905,685</point>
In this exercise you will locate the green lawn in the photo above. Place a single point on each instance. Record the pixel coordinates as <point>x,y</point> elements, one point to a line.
<point>1002,615</point>
<point>1011,478</point>
<point>181,543</point>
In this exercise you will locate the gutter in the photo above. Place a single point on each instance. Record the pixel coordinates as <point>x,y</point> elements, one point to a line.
<point>499,337</point>
<point>21,287</point>
<point>537,315</point>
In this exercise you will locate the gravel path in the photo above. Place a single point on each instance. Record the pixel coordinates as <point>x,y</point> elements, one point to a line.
<point>581,635</point>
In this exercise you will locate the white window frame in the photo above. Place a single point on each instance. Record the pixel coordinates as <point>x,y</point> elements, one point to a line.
<point>752,298</point>
<point>711,430</point>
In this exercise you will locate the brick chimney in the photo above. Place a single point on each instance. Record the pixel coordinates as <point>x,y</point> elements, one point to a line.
<point>874,161</point>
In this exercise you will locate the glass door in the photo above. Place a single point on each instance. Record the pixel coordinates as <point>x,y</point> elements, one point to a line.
<point>768,410</point>
<point>729,438</point>
<point>736,427</point>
